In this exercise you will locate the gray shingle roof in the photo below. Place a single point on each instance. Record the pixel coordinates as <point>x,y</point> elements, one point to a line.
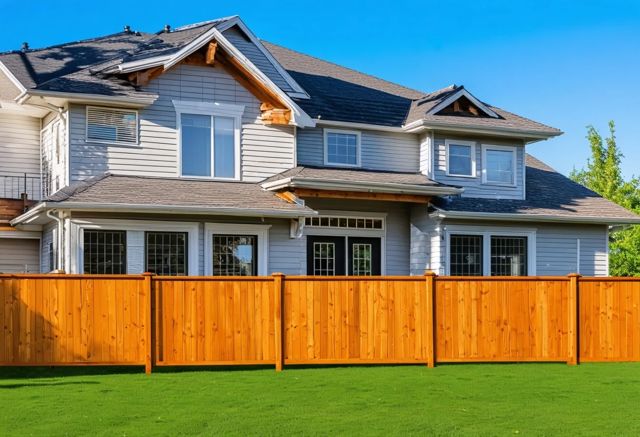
<point>349,175</point>
<point>549,193</point>
<point>119,190</point>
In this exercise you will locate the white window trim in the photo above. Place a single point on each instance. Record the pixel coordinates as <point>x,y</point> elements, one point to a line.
<point>358,135</point>
<point>487,233</point>
<point>514,162</point>
<point>79,225</point>
<point>347,232</point>
<point>107,142</point>
<point>471,144</point>
<point>211,109</point>
<point>262,231</point>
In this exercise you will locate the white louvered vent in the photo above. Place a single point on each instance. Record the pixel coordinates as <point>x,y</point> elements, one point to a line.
<point>112,125</point>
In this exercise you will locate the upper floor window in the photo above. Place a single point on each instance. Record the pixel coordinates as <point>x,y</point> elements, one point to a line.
<point>461,158</point>
<point>209,137</point>
<point>499,163</point>
<point>112,125</point>
<point>342,148</point>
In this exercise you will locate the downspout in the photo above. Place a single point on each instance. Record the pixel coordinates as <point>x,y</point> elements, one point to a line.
<point>59,243</point>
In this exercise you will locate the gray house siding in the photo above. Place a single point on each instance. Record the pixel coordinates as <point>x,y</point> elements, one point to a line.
<point>265,150</point>
<point>379,150</point>
<point>556,245</point>
<point>18,255</point>
<point>473,187</point>
<point>19,145</point>
<point>48,237</point>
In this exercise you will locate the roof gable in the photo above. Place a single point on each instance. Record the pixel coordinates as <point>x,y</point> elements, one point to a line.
<point>461,102</point>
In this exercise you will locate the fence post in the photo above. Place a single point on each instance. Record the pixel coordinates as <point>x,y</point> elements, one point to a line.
<point>430,337</point>
<point>278,299</point>
<point>573,348</point>
<point>148,329</point>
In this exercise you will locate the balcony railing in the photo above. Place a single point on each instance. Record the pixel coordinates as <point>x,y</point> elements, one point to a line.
<point>13,187</point>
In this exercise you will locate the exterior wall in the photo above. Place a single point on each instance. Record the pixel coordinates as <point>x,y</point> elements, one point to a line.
<point>379,150</point>
<point>556,245</point>
<point>48,237</point>
<point>19,255</point>
<point>265,150</point>
<point>8,91</point>
<point>19,145</point>
<point>473,187</point>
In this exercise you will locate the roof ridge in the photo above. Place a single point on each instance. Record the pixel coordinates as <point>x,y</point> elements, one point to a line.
<point>344,67</point>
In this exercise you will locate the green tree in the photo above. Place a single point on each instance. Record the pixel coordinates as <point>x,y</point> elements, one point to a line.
<point>604,176</point>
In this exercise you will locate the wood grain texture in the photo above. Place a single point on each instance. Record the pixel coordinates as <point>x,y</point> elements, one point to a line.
<point>72,320</point>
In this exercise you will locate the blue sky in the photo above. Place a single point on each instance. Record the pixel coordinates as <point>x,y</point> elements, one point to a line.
<point>564,63</point>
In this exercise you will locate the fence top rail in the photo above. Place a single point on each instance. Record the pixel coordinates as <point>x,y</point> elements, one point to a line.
<point>609,279</point>
<point>64,276</point>
<point>214,278</point>
<point>355,278</point>
<point>502,278</point>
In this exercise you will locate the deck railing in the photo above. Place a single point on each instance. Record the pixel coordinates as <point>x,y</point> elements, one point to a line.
<point>14,186</point>
<point>289,320</point>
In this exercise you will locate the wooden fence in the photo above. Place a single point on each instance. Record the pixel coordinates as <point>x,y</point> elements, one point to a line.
<point>167,321</point>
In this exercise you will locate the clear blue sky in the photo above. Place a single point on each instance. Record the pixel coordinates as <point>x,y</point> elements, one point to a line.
<point>565,63</point>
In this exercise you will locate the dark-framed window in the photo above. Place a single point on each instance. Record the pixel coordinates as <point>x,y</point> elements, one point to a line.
<point>465,255</point>
<point>235,255</point>
<point>105,252</point>
<point>509,256</point>
<point>166,253</point>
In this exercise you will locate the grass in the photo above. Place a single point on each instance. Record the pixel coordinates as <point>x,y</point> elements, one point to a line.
<point>489,399</point>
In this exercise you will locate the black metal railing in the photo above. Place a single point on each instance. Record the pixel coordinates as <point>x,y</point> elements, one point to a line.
<point>14,187</point>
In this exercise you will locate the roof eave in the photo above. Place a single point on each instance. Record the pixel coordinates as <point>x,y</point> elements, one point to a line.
<point>421,125</point>
<point>367,187</point>
<point>33,214</point>
<point>534,217</point>
<point>137,102</point>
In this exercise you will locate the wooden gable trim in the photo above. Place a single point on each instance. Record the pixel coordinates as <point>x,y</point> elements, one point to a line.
<point>359,195</point>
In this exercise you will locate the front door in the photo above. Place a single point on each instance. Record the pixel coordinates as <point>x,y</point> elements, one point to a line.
<point>364,256</point>
<point>325,256</point>
<point>336,256</point>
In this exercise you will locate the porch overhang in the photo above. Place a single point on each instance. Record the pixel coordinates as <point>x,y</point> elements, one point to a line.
<point>577,219</point>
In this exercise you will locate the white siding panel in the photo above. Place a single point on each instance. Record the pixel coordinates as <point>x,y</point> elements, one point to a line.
<point>19,145</point>
<point>473,187</point>
<point>265,150</point>
<point>379,150</point>
<point>19,255</point>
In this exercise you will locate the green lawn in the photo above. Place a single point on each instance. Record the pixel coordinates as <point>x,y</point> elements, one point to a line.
<point>488,399</point>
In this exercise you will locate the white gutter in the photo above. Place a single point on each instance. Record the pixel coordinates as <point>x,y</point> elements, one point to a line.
<point>367,187</point>
<point>349,124</point>
<point>164,209</point>
<point>472,215</point>
<point>135,102</point>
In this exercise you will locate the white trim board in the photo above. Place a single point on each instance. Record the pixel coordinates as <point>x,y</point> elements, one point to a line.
<point>474,167</point>
<point>261,231</point>
<point>455,96</point>
<point>76,243</point>
<point>487,232</point>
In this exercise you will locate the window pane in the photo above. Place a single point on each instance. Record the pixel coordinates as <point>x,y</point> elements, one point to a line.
<point>224,148</point>
<point>324,259</point>
<point>342,148</point>
<point>499,166</point>
<point>166,253</point>
<point>105,252</point>
<point>508,256</point>
<point>196,144</point>
<point>235,255</point>
<point>361,260</point>
<point>466,255</point>
<point>460,160</point>
<point>108,124</point>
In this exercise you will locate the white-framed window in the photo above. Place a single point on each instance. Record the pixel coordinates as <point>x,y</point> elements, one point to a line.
<point>342,147</point>
<point>112,125</point>
<point>126,244</point>
<point>460,158</point>
<point>498,165</point>
<point>482,251</point>
<point>236,249</point>
<point>208,139</point>
<point>345,222</point>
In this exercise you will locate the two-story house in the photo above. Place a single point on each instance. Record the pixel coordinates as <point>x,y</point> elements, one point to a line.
<point>203,150</point>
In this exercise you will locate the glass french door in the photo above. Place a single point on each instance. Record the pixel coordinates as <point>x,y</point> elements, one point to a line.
<point>337,256</point>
